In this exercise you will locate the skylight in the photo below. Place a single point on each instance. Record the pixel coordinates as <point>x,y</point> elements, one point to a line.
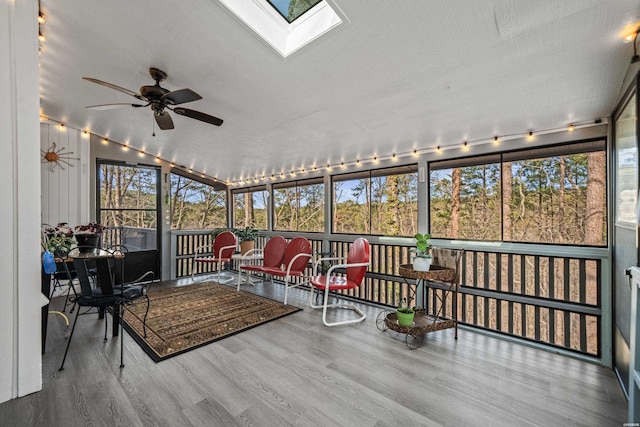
<point>310,19</point>
<point>292,9</point>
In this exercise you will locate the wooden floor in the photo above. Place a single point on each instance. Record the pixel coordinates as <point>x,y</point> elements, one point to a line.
<point>295,371</point>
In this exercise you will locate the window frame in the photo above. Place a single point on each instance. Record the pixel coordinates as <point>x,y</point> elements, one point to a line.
<point>595,144</point>
<point>296,184</point>
<point>369,174</point>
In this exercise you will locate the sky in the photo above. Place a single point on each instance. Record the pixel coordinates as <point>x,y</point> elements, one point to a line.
<point>281,5</point>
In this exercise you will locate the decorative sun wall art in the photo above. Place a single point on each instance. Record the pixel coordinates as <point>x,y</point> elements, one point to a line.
<point>57,157</point>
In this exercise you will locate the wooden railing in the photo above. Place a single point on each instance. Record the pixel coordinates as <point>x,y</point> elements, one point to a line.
<point>532,292</point>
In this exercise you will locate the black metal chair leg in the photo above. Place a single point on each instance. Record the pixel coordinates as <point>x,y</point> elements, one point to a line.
<point>69,342</point>
<point>121,337</point>
<point>105,328</point>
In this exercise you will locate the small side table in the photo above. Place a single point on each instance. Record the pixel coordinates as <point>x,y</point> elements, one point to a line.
<point>246,260</point>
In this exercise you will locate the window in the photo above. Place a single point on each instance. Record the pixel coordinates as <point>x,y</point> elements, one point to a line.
<point>128,205</point>
<point>378,202</point>
<point>292,9</point>
<point>544,195</point>
<point>299,206</point>
<point>627,163</point>
<point>196,205</point>
<point>465,200</point>
<point>250,207</point>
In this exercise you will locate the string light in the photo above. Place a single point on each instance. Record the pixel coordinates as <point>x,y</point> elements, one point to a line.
<point>530,136</point>
<point>41,36</point>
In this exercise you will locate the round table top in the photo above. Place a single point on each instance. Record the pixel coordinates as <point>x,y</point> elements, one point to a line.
<point>96,253</point>
<point>247,257</point>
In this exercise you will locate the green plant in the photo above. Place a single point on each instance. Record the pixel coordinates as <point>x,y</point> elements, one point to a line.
<point>407,309</point>
<point>91,228</point>
<point>246,234</point>
<point>422,245</point>
<point>59,236</point>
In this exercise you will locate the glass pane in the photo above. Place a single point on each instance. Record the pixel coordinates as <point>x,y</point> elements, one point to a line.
<point>127,187</point>
<point>311,210</point>
<point>627,162</point>
<point>351,212</point>
<point>284,208</point>
<point>465,203</point>
<point>292,9</point>
<point>250,209</point>
<point>134,229</point>
<point>560,199</point>
<point>195,205</point>
<point>394,205</point>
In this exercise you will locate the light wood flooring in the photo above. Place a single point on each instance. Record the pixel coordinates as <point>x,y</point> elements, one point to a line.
<point>295,371</point>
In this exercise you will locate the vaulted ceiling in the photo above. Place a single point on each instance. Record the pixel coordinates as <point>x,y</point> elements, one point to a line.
<point>394,76</point>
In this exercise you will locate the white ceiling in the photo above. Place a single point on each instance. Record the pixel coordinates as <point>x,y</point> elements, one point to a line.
<point>397,75</point>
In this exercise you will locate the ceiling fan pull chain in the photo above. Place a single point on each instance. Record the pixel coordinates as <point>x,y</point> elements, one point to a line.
<point>153,124</point>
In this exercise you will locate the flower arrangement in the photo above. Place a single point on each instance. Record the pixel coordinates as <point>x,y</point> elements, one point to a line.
<point>91,228</point>
<point>62,235</point>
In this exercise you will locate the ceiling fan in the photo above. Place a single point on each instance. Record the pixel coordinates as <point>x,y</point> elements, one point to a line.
<point>159,99</point>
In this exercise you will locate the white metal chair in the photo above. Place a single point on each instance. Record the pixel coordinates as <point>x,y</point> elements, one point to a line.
<point>356,265</point>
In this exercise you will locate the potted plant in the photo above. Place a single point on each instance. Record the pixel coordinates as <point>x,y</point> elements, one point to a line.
<point>60,237</point>
<point>247,237</point>
<point>405,314</point>
<point>421,254</point>
<point>88,236</point>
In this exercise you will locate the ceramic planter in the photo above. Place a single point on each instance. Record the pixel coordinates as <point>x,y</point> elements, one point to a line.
<point>421,264</point>
<point>405,319</point>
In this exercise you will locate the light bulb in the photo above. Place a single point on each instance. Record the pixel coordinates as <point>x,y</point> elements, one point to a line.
<point>571,128</point>
<point>41,18</point>
<point>531,136</point>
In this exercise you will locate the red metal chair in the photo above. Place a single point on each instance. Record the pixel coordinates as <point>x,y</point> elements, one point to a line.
<point>356,264</point>
<point>272,253</point>
<point>220,252</point>
<point>296,257</point>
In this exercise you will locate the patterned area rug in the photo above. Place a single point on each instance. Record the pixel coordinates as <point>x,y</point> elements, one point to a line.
<point>187,317</point>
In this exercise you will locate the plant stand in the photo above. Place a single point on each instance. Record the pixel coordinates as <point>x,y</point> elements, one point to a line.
<point>436,278</point>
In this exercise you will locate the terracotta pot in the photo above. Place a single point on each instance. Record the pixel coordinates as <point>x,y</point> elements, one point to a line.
<point>246,246</point>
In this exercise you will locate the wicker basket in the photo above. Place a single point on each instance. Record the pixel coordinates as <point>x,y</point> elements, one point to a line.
<point>438,273</point>
<point>422,323</point>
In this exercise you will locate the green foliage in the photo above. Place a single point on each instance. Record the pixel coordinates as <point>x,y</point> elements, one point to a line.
<point>422,245</point>
<point>246,234</point>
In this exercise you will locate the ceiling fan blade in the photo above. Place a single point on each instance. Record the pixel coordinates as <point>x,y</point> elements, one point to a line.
<point>118,88</point>
<point>198,116</point>
<point>180,96</point>
<point>112,106</point>
<point>164,120</point>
